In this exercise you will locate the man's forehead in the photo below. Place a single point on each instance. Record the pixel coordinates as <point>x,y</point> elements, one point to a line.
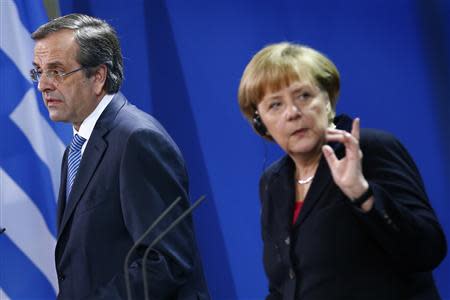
<point>59,40</point>
<point>60,45</point>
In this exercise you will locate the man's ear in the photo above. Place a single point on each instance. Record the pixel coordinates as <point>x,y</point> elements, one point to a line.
<point>100,79</point>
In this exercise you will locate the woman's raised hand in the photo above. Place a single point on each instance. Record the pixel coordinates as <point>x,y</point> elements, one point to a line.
<point>346,172</point>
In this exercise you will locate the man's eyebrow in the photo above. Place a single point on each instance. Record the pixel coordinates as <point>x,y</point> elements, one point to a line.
<point>54,64</point>
<point>51,65</point>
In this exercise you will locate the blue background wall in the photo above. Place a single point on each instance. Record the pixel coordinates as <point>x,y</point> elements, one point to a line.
<point>183,62</point>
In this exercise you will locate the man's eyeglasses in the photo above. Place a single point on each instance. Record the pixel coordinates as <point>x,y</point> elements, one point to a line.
<point>53,75</point>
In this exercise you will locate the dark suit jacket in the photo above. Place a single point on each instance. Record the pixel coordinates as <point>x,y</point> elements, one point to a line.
<point>130,172</point>
<point>334,251</point>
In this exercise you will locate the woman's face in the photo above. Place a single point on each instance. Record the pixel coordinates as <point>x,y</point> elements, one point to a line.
<point>296,117</point>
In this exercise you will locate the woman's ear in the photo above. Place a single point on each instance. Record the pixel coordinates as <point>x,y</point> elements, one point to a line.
<point>330,113</point>
<point>258,124</point>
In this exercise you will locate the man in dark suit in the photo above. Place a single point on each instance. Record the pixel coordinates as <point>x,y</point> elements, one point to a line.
<point>120,172</point>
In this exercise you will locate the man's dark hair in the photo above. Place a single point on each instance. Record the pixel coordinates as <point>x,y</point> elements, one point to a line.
<point>98,43</point>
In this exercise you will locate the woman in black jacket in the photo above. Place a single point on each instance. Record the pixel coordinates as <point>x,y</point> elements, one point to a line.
<point>345,214</point>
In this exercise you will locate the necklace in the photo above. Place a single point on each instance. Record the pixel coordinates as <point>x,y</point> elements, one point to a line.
<point>305,181</point>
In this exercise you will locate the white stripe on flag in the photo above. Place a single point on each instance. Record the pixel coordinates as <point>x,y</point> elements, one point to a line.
<point>15,39</point>
<point>3,296</point>
<point>27,229</point>
<point>41,136</point>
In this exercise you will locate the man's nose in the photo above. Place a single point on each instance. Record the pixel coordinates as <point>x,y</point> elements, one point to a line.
<point>45,83</point>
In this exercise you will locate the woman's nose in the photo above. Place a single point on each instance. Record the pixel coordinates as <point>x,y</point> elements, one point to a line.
<point>293,111</point>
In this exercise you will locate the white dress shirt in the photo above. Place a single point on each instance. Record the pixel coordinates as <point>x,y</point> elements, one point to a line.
<point>87,126</point>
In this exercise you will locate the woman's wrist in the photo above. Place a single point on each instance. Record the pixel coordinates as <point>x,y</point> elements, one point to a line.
<point>358,189</point>
<point>365,199</point>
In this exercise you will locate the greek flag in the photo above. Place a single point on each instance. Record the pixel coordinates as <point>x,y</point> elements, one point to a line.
<point>31,147</point>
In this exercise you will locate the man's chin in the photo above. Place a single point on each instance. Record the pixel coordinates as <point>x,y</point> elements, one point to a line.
<point>57,118</point>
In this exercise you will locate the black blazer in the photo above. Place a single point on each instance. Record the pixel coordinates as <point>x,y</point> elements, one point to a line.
<point>335,251</point>
<point>130,172</point>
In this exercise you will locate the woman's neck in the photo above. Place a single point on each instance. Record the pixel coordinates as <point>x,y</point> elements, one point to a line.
<point>306,165</point>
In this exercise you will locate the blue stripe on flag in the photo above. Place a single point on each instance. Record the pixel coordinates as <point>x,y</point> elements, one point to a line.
<point>16,155</point>
<point>13,86</point>
<point>30,173</point>
<point>20,278</point>
<point>31,13</point>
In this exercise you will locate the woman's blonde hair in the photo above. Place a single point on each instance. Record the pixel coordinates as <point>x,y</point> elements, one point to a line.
<point>277,66</point>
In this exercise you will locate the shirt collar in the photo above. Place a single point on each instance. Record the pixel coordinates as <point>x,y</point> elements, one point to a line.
<point>88,124</point>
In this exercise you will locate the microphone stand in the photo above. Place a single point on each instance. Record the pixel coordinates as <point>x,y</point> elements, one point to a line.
<point>136,244</point>
<point>160,237</point>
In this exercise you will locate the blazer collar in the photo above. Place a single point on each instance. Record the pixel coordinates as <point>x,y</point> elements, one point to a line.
<point>319,185</point>
<point>283,191</point>
<point>282,183</point>
<point>62,190</point>
<point>323,179</point>
<point>91,158</point>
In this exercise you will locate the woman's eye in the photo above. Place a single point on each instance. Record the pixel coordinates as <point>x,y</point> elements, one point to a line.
<point>304,96</point>
<point>274,105</point>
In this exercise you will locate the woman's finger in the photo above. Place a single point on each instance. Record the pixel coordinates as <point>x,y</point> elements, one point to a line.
<point>356,127</point>
<point>350,143</point>
<point>330,156</point>
<point>341,137</point>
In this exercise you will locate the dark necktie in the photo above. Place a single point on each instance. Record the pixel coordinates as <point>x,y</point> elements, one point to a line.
<point>73,161</point>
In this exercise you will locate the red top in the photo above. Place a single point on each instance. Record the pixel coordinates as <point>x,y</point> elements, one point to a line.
<point>297,208</point>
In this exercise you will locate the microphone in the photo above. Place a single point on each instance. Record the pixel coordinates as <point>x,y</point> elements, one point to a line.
<point>150,228</point>
<point>2,230</point>
<point>160,237</point>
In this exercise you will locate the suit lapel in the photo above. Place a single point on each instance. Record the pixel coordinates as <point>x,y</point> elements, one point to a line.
<point>321,182</point>
<point>282,196</point>
<point>282,185</point>
<point>283,190</point>
<point>62,190</point>
<point>323,179</point>
<point>92,156</point>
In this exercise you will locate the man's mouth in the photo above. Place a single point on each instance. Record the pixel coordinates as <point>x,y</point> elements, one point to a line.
<point>52,102</point>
